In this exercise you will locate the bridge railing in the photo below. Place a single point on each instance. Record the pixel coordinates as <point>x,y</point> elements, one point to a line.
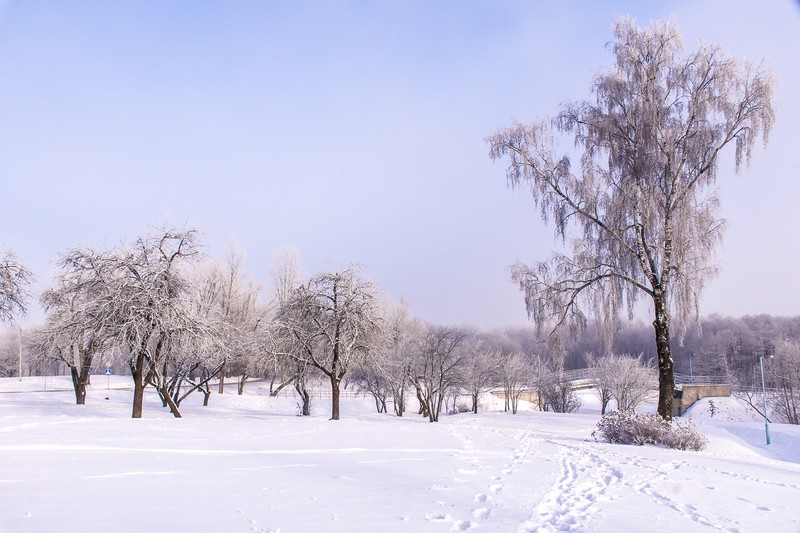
<point>686,379</point>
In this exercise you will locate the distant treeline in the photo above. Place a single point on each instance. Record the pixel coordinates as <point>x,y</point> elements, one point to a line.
<point>722,345</point>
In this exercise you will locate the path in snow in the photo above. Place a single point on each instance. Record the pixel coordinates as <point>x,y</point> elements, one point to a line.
<point>577,484</point>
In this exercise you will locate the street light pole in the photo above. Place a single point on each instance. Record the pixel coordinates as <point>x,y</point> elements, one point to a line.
<point>691,372</point>
<point>20,353</point>
<point>764,393</point>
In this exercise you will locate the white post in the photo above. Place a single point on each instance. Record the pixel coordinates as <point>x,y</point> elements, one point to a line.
<point>764,393</point>
<point>20,353</point>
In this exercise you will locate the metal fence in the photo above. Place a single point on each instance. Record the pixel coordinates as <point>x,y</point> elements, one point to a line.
<point>687,379</point>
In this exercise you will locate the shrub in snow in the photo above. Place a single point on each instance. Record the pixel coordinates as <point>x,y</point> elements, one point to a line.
<point>712,409</point>
<point>685,437</point>
<point>460,407</point>
<point>627,427</point>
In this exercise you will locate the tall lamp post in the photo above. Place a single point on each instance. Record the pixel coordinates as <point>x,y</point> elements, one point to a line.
<point>20,353</point>
<point>764,393</point>
<point>691,372</point>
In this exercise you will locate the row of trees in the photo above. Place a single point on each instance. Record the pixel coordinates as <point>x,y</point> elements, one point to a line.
<point>178,320</point>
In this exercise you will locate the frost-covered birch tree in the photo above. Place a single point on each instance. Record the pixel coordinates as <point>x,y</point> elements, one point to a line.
<point>639,206</point>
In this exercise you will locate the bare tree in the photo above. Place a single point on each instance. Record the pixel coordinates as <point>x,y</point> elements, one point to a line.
<point>279,359</point>
<point>785,375</point>
<point>369,379</point>
<point>630,381</point>
<point>516,374</point>
<point>395,356</point>
<point>557,391</point>
<point>227,298</point>
<point>10,351</point>
<point>332,322</point>
<point>136,294</point>
<point>602,385</point>
<point>74,332</point>
<point>284,361</point>
<point>14,282</point>
<point>438,366</point>
<point>285,273</point>
<point>640,209</point>
<point>481,365</point>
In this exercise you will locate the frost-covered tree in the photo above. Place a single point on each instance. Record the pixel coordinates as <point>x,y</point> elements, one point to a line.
<point>784,368</point>
<point>557,391</point>
<point>438,367</point>
<point>517,375</point>
<point>602,384</point>
<point>10,351</point>
<point>227,298</point>
<point>74,332</point>
<point>285,274</point>
<point>369,379</point>
<point>279,359</point>
<point>136,293</point>
<point>628,380</point>
<point>639,206</point>
<point>332,322</point>
<point>224,300</point>
<point>385,375</point>
<point>14,282</point>
<point>481,365</point>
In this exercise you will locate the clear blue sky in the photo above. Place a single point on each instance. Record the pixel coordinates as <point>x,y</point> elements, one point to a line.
<point>351,131</point>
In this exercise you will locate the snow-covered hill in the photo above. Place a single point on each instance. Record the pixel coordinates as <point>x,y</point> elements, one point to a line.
<point>248,463</point>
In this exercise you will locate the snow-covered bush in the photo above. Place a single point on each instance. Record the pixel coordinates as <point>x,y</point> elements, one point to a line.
<point>685,437</point>
<point>627,427</point>
<point>459,408</point>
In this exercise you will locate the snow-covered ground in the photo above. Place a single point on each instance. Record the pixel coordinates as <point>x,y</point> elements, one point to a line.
<point>248,463</point>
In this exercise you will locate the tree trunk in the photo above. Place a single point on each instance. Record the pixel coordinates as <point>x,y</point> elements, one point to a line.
<point>423,404</point>
<point>289,381</point>
<point>305,397</point>
<point>377,402</point>
<point>79,385</point>
<point>334,397</point>
<point>475,404</point>
<point>666,379</point>
<point>138,385</point>
<point>436,408</point>
<point>242,381</point>
<point>173,407</point>
<point>399,401</point>
<point>222,380</point>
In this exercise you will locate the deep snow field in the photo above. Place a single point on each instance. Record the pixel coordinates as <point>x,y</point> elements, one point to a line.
<point>248,463</point>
